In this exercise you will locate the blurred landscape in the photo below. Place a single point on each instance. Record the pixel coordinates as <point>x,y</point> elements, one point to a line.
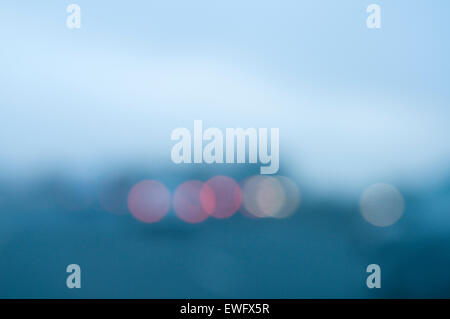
<point>87,114</point>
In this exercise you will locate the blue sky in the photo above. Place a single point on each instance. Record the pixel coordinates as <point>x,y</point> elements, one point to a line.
<point>353,105</point>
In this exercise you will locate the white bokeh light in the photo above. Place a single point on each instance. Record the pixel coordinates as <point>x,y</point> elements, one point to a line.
<point>270,196</point>
<point>292,195</point>
<point>381,205</point>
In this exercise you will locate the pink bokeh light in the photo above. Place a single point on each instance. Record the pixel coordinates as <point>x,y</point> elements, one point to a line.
<point>194,201</point>
<point>228,196</point>
<point>149,201</point>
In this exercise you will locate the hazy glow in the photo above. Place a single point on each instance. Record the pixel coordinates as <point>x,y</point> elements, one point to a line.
<point>381,205</point>
<point>292,197</point>
<point>149,201</point>
<point>249,193</point>
<point>348,136</point>
<point>228,197</point>
<point>270,196</point>
<point>194,201</point>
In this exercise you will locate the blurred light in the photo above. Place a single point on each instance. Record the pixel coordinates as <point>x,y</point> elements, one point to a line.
<point>112,194</point>
<point>292,197</point>
<point>149,201</point>
<point>262,196</point>
<point>269,196</point>
<point>249,192</point>
<point>228,197</point>
<point>381,205</point>
<point>194,201</point>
